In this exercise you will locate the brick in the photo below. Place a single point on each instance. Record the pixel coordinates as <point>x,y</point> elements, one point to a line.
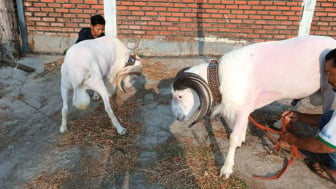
<point>281,17</point>
<point>92,2</point>
<point>48,19</point>
<point>58,25</point>
<point>283,8</point>
<point>42,24</point>
<point>137,13</point>
<point>68,29</point>
<point>40,14</point>
<point>247,7</point>
<point>55,14</point>
<point>263,13</point>
<point>249,12</point>
<point>177,14</point>
<point>237,11</point>
<point>271,8</point>
<point>47,10</point>
<point>153,23</point>
<point>296,9</point>
<point>82,6</point>
<point>62,10</point>
<point>166,14</point>
<point>73,16</point>
<point>238,2</point>
<point>54,5</point>
<point>141,4</point>
<point>47,1</point>
<point>332,14</point>
<point>77,1</point>
<point>214,1</point>
<point>76,10</point>
<point>159,9</point>
<point>172,19</point>
<point>33,9</point>
<point>40,5</point>
<point>34,18</point>
<point>186,19</point>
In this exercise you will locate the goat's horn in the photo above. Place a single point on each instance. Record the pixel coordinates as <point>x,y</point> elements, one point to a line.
<point>190,80</point>
<point>120,77</point>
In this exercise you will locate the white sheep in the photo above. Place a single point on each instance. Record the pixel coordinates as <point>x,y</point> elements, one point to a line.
<point>252,77</point>
<point>102,65</point>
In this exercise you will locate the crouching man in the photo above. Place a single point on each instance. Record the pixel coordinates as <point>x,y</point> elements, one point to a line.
<point>325,141</point>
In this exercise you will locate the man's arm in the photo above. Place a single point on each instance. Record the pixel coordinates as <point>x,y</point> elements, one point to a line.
<point>311,119</point>
<point>294,116</point>
<point>311,144</point>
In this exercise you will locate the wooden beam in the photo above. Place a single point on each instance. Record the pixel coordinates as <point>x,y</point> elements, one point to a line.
<point>17,65</point>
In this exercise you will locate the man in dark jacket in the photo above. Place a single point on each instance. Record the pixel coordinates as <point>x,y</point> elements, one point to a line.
<point>95,30</point>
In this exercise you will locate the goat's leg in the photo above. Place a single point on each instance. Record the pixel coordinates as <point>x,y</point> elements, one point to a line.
<point>65,96</point>
<point>235,141</point>
<point>101,89</point>
<point>243,136</point>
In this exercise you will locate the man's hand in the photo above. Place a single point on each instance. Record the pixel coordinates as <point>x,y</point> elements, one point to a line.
<point>286,140</point>
<point>291,116</point>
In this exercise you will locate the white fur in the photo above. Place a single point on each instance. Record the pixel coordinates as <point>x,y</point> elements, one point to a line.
<point>258,74</point>
<point>94,64</point>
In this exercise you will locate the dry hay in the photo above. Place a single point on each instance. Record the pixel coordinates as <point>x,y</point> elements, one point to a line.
<point>188,166</point>
<point>157,70</point>
<point>49,181</point>
<point>51,67</point>
<point>95,130</point>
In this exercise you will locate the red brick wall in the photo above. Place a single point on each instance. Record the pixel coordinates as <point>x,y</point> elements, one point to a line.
<point>324,21</point>
<point>176,20</point>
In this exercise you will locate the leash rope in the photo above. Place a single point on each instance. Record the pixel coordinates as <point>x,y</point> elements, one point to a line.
<point>294,151</point>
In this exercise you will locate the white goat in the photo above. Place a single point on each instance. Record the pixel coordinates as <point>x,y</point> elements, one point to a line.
<point>100,64</point>
<point>252,77</point>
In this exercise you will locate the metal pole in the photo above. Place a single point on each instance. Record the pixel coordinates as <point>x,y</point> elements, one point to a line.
<point>22,24</point>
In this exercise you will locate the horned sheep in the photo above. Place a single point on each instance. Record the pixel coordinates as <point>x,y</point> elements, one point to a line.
<point>252,77</point>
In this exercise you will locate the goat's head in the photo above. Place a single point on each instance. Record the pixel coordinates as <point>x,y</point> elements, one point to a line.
<point>190,94</point>
<point>130,74</point>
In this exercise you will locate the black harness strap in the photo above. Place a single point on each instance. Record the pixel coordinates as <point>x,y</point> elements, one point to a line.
<point>213,80</point>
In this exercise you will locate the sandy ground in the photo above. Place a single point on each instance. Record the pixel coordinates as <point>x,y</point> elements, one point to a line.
<point>33,154</point>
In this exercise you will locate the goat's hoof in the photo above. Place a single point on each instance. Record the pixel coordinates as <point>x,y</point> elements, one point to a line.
<point>96,97</point>
<point>63,130</point>
<point>225,172</point>
<point>122,131</point>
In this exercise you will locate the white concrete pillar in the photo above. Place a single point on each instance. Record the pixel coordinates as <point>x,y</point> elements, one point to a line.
<point>307,16</point>
<point>110,14</point>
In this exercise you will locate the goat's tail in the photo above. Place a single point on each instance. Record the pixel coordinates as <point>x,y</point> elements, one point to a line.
<point>80,99</point>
